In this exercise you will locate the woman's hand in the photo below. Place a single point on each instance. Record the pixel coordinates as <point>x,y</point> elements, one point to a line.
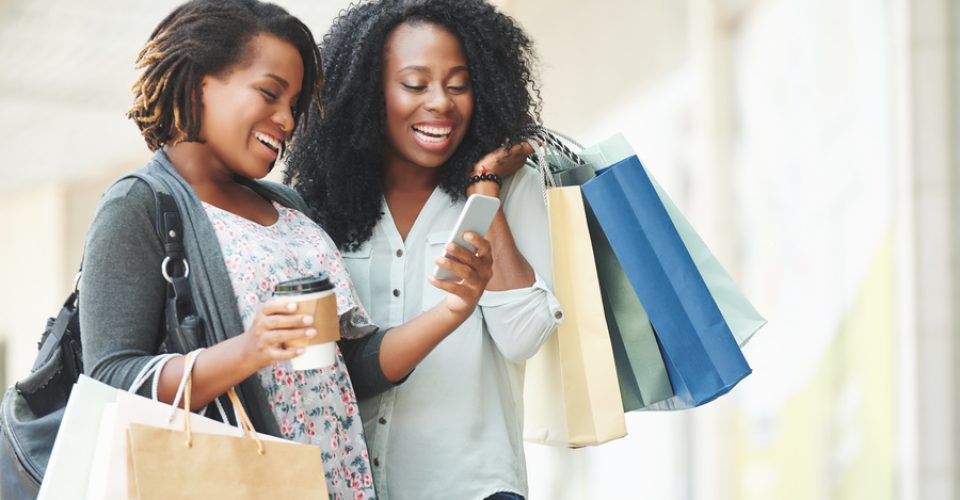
<point>503,162</point>
<point>473,270</point>
<point>276,323</point>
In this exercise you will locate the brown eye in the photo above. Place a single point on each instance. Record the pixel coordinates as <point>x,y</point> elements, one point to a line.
<point>413,87</point>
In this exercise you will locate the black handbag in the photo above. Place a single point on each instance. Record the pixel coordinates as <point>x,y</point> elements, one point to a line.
<point>33,408</point>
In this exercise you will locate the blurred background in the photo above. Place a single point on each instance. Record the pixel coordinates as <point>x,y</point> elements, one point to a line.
<point>813,144</point>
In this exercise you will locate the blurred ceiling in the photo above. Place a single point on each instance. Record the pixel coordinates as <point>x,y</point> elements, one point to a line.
<point>65,71</point>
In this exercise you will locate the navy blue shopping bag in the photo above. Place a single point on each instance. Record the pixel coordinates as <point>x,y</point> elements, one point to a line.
<point>702,357</point>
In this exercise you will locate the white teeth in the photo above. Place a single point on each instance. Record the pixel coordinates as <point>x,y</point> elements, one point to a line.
<point>428,138</point>
<point>269,141</point>
<point>434,131</point>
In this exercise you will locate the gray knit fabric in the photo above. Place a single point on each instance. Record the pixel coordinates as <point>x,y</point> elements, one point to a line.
<point>122,291</point>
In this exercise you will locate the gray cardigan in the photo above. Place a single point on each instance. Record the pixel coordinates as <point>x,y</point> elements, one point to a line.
<point>122,291</point>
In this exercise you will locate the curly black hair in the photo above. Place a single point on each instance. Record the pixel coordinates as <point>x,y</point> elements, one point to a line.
<point>336,161</point>
<point>209,37</point>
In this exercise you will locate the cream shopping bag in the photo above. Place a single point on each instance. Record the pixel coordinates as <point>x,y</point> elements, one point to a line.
<point>571,392</point>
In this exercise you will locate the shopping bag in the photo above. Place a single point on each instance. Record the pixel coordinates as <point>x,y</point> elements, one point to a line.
<point>571,391</point>
<point>70,459</point>
<point>109,471</point>
<point>702,357</point>
<point>742,318</point>
<point>113,475</point>
<point>641,373</point>
<point>182,463</point>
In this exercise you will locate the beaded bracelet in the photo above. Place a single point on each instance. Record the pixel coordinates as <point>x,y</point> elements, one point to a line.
<point>486,176</point>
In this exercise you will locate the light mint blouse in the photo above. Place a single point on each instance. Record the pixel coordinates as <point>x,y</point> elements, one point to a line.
<point>454,429</point>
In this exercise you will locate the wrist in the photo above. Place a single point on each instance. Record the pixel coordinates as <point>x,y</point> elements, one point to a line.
<point>455,315</point>
<point>484,181</point>
<point>485,188</point>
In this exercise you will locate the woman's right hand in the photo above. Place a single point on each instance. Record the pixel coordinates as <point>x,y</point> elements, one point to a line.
<point>473,269</point>
<point>276,323</point>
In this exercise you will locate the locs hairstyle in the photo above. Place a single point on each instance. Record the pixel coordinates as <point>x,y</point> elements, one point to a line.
<point>209,37</point>
<point>336,162</point>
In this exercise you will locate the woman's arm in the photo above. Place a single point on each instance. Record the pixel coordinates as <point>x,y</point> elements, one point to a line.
<point>520,319</point>
<point>510,268</point>
<point>122,299</point>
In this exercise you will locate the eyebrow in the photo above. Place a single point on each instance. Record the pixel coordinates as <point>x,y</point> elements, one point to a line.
<point>455,69</point>
<point>285,84</point>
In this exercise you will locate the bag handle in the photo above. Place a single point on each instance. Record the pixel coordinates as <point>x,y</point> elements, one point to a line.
<point>555,143</point>
<point>187,383</point>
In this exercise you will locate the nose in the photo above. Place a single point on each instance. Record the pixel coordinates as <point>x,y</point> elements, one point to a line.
<point>438,101</point>
<point>284,119</point>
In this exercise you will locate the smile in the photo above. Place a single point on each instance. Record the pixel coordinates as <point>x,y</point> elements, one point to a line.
<point>430,134</point>
<point>269,141</point>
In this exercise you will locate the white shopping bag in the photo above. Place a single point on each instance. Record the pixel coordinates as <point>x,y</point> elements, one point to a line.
<point>69,467</point>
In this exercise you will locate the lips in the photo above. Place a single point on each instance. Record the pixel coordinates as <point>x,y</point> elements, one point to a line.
<point>431,134</point>
<point>433,137</point>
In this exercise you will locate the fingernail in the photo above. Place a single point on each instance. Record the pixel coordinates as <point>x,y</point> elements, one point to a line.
<point>292,306</point>
<point>450,247</point>
<point>469,236</point>
<point>311,332</point>
<point>308,320</point>
<point>301,351</point>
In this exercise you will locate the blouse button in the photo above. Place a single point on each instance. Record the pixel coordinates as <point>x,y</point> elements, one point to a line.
<point>376,462</point>
<point>383,421</point>
<point>558,314</point>
<point>399,252</point>
<point>396,293</point>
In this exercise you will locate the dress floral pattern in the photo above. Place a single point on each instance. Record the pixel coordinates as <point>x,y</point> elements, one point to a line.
<point>317,407</point>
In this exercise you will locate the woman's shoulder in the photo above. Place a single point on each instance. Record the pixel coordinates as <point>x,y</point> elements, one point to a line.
<point>127,194</point>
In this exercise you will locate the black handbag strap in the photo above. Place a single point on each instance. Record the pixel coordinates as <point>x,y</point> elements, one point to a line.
<point>174,267</point>
<point>169,227</point>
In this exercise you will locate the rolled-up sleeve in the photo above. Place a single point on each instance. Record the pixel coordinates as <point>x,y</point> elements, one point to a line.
<point>520,320</point>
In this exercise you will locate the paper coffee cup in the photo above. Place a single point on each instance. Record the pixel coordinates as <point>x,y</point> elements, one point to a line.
<point>315,297</point>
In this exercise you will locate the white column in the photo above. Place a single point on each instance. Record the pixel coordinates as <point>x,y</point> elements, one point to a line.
<point>927,241</point>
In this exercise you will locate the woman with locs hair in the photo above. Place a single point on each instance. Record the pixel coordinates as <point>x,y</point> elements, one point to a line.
<point>426,102</point>
<point>224,84</point>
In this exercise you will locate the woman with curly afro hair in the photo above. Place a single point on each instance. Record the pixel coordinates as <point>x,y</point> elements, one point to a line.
<point>426,103</point>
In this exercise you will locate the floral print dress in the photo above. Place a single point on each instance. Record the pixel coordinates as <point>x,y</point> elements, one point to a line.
<point>317,407</point>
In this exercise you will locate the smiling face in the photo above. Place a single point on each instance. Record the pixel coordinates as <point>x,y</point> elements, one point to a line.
<point>429,101</point>
<point>248,112</point>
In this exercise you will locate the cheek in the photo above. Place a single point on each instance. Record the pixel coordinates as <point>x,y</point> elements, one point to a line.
<point>465,105</point>
<point>219,113</point>
<point>397,108</point>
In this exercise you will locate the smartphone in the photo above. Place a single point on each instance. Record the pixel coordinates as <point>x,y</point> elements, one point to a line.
<point>476,216</point>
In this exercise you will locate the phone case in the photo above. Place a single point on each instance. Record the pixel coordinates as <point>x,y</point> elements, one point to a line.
<point>476,216</point>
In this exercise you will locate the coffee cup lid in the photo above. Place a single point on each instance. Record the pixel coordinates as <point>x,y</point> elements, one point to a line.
<point>300,286</point>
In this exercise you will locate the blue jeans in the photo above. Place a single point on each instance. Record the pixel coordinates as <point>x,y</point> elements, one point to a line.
<point>504,496</point>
